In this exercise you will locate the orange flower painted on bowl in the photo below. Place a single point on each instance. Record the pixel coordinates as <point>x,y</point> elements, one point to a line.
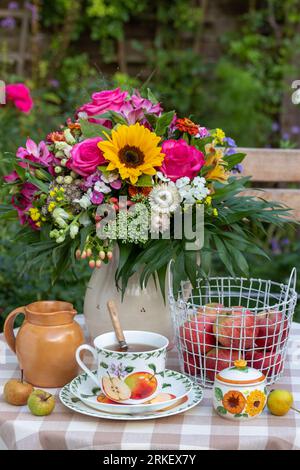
<point>234,401</point>
<point>186,125</point>
<point>256,401</point>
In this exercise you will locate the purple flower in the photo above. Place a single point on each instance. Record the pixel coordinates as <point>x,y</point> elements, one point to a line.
<point>116,184</point>
<point>11,177</point>
<point>295,129</point>
<point>230,151</point>
<point>275,126</point>
<point>275,246</point>
<point>33,10</point>
<point>203,132</point>
<point>8,23</point>
<point>117,369</point>
<point>285,241</point>
<point>136,107</point>
<point>285,136</point>
<point>54,82</point>
<point>230,141</point>
<point>13,6</point>
<point>97,197</point>
<point>238,168</point>
<point>35,153</point>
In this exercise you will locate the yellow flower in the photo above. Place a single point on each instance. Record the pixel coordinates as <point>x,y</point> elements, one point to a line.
<point>51,206</point>
<point>215,212</point>
<point>208,200</point>
<point>38,224</point>
<point>133,151</point>
<point>214,159</point>
<point>34,213</point>
<point>52,193</point>
<point>219,135</point>
<point>256,401</point>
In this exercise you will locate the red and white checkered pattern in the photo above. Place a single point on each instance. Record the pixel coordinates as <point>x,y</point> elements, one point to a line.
<point>199,428</point>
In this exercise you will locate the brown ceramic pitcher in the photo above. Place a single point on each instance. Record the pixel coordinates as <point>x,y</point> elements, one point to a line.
<point>46,342</point>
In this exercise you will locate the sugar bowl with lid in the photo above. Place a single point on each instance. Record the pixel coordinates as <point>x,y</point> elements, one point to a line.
<point>239,392</point>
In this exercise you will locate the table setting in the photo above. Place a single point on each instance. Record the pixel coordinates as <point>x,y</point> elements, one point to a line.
<point>166,355</point>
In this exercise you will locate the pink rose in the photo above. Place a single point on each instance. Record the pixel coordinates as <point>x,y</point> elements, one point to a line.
<point>102,101</point>
<point>19,94</point>
<point>181,159</point>
<point>86,157</point>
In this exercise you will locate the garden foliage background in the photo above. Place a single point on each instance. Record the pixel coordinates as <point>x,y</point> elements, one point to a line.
<point>225,62</point>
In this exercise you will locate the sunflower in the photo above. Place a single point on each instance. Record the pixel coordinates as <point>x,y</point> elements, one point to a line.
<point>256,401</point>
<point>234,401</point>
<point>133,151</point>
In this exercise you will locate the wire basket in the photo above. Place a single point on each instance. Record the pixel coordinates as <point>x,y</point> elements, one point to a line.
<point>223,319</point>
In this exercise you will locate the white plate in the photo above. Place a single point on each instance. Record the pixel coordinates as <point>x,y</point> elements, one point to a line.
<point>173,382</point>
<point>70,401</point>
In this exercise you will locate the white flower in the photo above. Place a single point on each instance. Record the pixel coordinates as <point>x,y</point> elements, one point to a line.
<point>199,181</point>
<point>69,137</point>
<point>82,115</point>
<point>85,200</point>
<point>84,219</point>
<point>109,177</point>
<point>162,177</point>
<point>102,187</point>
<point>159,222</point>
<point>60,213</point>
<point>74,229</point>
<point>181,182</point>
<point>63,147</point>
<point>296,97</point>
<point>164,198</point>
<point>200,193</point>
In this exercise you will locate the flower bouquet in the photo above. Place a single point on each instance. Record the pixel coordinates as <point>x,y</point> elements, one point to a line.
<point>125,172</point>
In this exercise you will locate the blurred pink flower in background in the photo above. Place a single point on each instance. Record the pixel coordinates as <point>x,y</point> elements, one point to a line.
<point>19,94</point>
<point>23,202</point>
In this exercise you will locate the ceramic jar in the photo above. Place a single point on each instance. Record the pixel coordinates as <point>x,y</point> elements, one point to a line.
<point>239,392</point>
<point>46,342</point>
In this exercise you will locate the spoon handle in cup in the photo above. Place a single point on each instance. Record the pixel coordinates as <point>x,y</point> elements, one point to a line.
<point>116,324</point>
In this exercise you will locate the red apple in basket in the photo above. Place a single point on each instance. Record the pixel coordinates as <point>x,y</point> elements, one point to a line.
<point>196,335</point>
<point>218,359</point>
<point>210,310</point>
<point>192,364</point>
<point>236,328</point>
<point>270,325</point>
<point>268,362</point>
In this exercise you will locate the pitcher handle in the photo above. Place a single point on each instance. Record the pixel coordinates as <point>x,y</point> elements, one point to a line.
<point>8,328</point>
<point>87,347</point>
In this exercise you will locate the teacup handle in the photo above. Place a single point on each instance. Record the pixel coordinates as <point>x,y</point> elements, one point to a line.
<point>87,347</point>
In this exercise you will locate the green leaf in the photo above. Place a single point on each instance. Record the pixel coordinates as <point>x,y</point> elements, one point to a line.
<point>190,265</point>
<point>129,369</point>
<point>96,390</point>
<point>234,159</point>
<point>218,394</point>
<point>221,410</point>
<point>113,116</point>
<point>104,365</point>
<point>163,122</point>
<point>152,367</point>
<point>144,181</point>
<point>165,386</point>
<point>91,129</point>
<point>151,97</point>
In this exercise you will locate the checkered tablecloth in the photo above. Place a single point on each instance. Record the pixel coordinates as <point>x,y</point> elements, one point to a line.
<point>199,428</point>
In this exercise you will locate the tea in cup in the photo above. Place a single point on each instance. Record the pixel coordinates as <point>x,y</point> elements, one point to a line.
<point>133,376</point>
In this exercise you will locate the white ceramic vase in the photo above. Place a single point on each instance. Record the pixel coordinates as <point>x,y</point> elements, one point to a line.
<point>141,309</point>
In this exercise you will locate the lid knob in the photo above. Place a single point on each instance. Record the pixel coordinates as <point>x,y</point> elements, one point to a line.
<point>240,364</point>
